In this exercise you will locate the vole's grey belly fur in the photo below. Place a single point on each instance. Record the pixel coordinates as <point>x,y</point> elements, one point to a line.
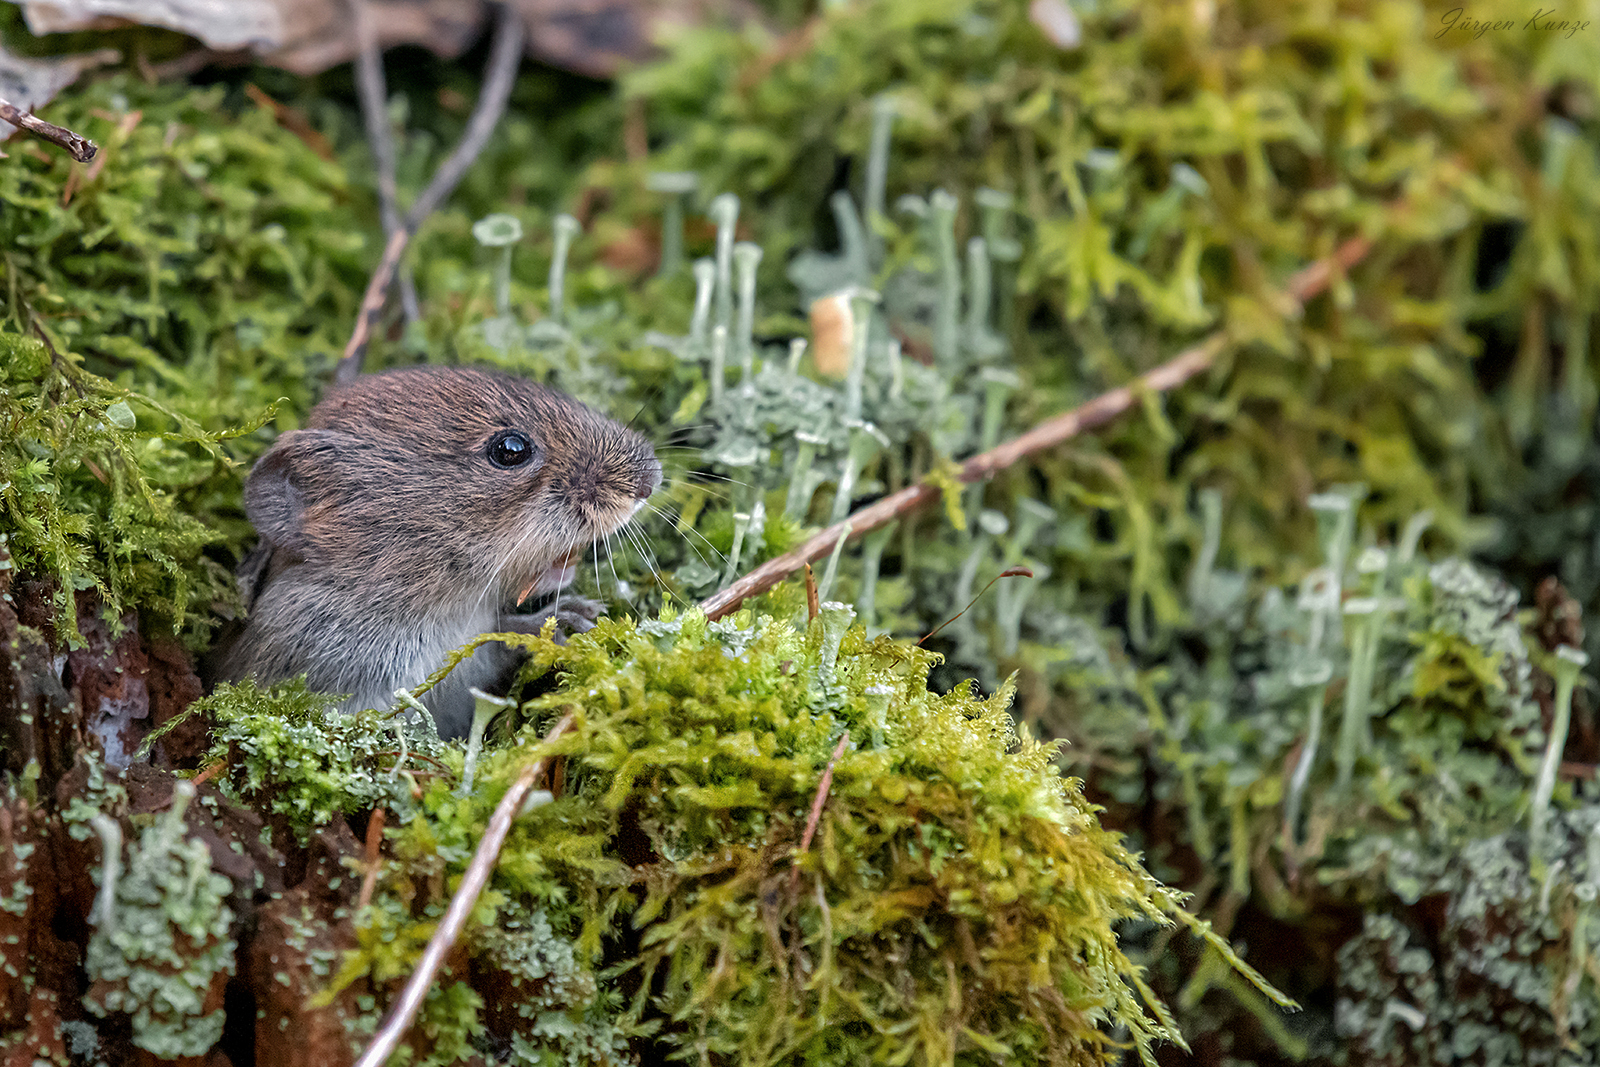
<point>370,656</point>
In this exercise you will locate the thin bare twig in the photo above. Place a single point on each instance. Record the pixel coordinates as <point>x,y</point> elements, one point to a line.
<point>823,788</point>
<point>822,793</point>
<point>78,147</point>
<point>1009,572</point>
<point>1054,431</point>
<point>505,51</point>
<point>404,1012</point>
<point>504,55</point>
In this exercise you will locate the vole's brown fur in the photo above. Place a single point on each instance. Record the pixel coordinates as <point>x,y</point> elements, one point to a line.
<point>388,537</point>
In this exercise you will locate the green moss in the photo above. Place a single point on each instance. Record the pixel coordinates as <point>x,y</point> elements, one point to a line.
<point>958,899</point>
<point>1470,943</point>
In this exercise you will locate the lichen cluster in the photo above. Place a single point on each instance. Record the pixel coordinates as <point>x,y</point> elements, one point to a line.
<point>162,937</point>
<point>1367,745</point>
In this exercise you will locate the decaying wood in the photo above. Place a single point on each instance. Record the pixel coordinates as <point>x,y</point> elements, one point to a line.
<point>592,37</point>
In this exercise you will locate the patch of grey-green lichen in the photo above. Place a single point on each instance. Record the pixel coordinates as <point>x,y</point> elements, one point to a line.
<point>288,750</point>
<point>1500,973</point>
<point>155,954</point>
<point>567,1018</point>
<point>102,792</point>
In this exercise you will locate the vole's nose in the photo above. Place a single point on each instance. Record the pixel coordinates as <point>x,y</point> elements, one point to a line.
<point>649,482</point>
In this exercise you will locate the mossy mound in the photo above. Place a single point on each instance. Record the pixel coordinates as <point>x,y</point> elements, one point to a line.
<point>957,902</point>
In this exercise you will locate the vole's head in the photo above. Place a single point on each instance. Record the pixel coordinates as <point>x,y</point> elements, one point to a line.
<point>441,484</point>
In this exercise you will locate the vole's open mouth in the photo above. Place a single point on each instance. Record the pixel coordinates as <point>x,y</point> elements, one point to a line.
<point>559,575</point>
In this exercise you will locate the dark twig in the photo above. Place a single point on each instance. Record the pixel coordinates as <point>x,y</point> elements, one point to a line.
<point>500,74</point>
<point>374,94</point>
<point>80,148</point>
<point>822,793</point>
<point>404,1012</point>
<point>505,51</point>
<point>1097,412</point>
<point>369,876</point>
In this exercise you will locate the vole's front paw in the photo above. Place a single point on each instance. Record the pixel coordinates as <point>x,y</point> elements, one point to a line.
<point>573,615</point>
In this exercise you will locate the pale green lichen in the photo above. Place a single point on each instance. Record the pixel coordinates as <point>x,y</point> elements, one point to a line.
<point>156,953</point>
<point>290,753</point>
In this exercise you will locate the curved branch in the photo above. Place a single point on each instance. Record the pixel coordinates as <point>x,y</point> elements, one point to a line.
<point>78,147</point>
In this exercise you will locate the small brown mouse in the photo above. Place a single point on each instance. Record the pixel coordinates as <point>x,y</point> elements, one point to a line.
<point>414,509</point>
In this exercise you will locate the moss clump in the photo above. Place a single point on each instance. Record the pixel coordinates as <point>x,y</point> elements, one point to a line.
<point>96,487</point>
<point>957,901</point>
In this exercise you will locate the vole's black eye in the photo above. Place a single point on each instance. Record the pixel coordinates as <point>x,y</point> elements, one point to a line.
<point>510,448</point>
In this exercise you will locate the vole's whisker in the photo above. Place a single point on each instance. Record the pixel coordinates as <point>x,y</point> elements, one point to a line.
<point>611,561</point>
<point>642,545</point>
<point>690,529</point>
<point>713,476</point>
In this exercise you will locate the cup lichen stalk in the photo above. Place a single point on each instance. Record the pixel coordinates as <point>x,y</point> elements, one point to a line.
<point>866,441</point>
<point>877,180</point>
<point>724,212</point>
<point>741,524</point>
<point>1011,601</point>
<point>998,385</point>
<point>485,707</point>
<point>830,573</point>
<point>800,489</point>
<point>566,228</point>
<point>995,209</point>
<point>861,304</point>
<point>1106,407</point>
<point>852,237</point>
<point>1569,664</point>
<point>719,361</point>
<point>705,283</point>
<point>990,524</point>
<point>746,258</point>
<point>979,295</point>
<point>677,186</point>
<point>871,560</point>
<point>110,831</point>
<point>942,209</point>
<point>500,232</point>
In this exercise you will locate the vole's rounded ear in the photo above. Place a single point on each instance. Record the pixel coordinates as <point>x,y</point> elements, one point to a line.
<point>284,482</point>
